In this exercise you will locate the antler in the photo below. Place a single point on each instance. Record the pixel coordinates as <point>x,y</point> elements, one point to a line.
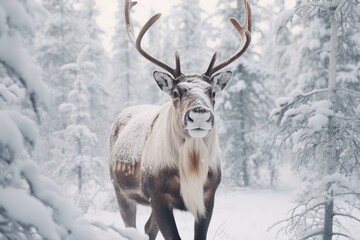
<point>176,72</point>
<point>245,36</point>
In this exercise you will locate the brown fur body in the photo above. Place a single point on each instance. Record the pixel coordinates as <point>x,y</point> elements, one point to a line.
<point>159,188</point>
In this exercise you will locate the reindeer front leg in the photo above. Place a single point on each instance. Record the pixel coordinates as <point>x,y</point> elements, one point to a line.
<point>202,224</point>
<point>164,216</point>
<point>151,227</point>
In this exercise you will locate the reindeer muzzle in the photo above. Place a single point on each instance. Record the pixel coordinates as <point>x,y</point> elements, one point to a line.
<point>199,121</point>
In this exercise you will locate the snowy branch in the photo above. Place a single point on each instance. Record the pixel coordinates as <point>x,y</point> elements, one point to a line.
<point>293,101</point>
<point>32,95</point>
<point>347,90</point>
<point>313,233</point>
<point>343,235</point>
<point>347,215</point>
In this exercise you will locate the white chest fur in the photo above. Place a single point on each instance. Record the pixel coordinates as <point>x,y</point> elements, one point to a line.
<point>193,157</point>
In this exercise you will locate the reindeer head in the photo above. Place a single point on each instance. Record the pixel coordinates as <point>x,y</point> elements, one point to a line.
<point>193,98</point>
<point>193,95</point>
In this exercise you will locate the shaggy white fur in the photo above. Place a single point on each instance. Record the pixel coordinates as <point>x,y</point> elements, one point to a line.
<point>159,138</point>
<point>168,146</point>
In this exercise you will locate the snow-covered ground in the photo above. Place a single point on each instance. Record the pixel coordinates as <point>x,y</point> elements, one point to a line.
<point>241,214</point>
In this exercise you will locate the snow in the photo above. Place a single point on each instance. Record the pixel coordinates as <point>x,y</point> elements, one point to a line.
<point>26,126</point>
<point>305,109</point>
<point>114,233</point>
<point>228,105</point>
<point>238,87</point>
<point>314,44</point>
<point>17,14</point>
<point>67,107</point>
<point>317,113</point>
<point>131,140</point>
<point>282,19</point>
<point>14,127</point>
<point>80,61</point>
<point>24,208</point>
<point>238,214</point>
<point>64,214</point>
<point>317,122</point>
<point>323,107</point>
<point>348,77</point>
<point>81,131</point>
<point>5,94</point>
<point>322,112</point>
<point>312,232</point>
<point>13,54</point>
<point>10,135</point>
<point>283,101</point>
<point>296,92</point>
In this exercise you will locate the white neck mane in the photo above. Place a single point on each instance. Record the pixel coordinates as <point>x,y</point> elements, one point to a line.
<point>168,146</point>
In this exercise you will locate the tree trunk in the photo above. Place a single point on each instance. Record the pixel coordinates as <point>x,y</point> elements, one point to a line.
<point>127,74</point>
<point>80,170</point>
<point>242,141</point>
<point>331,148</point>
<point>79,179</point>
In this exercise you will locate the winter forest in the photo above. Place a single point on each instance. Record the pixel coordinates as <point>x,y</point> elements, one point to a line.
<point>288,122</point>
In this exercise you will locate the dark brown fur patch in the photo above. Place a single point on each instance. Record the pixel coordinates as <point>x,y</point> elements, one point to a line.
<point>165,185</point>
<point>212,182</point>
<point>194,159</point>
<point>127,175</point>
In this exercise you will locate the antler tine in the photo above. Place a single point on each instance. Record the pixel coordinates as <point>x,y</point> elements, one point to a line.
<point>245,36</point>
<point>137,40</point>
<point>129,26</point>
<point>177,68</point>
<point>248,16</point>
<point>211,65</point>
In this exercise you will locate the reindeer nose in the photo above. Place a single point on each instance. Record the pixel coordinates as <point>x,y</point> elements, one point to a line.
<point>199,121</point>
<point>199,115</point>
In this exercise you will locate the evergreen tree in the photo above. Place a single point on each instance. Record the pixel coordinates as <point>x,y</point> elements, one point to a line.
<point>32,206</point>
<point>125,77</point>
<point>70,29</point>
<point>57,43</point>
<point>246,140</point>
<point>322,129</point>
<point>186,32</point>
<point>96,77</point>
<point>80,162</point>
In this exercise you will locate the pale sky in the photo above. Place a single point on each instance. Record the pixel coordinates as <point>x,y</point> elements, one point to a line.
<point>108,9</point>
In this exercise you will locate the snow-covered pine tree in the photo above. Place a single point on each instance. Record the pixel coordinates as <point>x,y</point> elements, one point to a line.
<point>125,77</point>
<point>79,161</point>
<point>244,105</point>
<point>187,32</point>
<point>96,77</point>
<point>32,206</point>
<point>57,43</point>
<point>156,37</point>
<point>276,46</point>
<point>324,131</point>
<point>71,28</point>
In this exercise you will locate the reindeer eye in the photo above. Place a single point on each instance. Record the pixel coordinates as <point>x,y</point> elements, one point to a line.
<point>175,94</point>
<point>213,95</point>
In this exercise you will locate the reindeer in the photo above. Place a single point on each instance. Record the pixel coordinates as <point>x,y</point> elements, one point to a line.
<point>167,157</point>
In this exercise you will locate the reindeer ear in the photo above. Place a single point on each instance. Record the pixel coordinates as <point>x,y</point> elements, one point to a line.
<point>220,80</point>
<point>165,81</point>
